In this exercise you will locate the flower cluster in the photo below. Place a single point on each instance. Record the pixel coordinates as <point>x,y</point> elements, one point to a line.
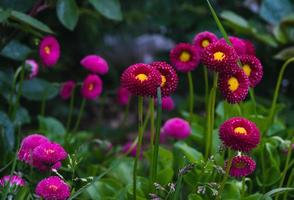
<point>240,134</point>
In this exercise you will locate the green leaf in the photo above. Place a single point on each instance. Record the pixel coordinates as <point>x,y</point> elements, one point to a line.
<point>285,54</point>
<point>123,170</point>
<point>231,191</point>
<point>67,13</point>
<point>8,129</point>
<point>142,188</point>
<point>108,8</point>
<point>165,176</point>
<point>256,196</point>
<point>37,89</point>
<point>236,21</point>
<point>20,5</point>
<point>22,116</point>
<point>192,154</point>
<point>26,19</point>
<point>194,197</point>
<point>51,126</point>
<point>16,51</point>
<point>276,191</point>
<point>4,14</point>
<point>104,189</point>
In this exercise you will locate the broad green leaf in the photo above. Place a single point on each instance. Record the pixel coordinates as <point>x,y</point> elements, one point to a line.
<point>4,14</point>
<point>37,89</point>
<point>192,154</point>
<point>231,191</point>
<point>280,34</point>
<point>123,170</point>
<point>165,176</point>
<point>269,180</point>
<point>256,196</point>
<point>67,13</point>
<point>16,51</point>
<point>7,128</point>
<point>142,189</point>
<point>194,197</point>
<point>24,18</point>
<point>22,116</point>
<point>285,54</point>
<point>51,126</point>
<point>266,38</point>
<point>108,8</point>
<point>104,189</point>
<point>236,21</point>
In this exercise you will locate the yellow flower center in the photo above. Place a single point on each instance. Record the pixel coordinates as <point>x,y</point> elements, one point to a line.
<point>240,165</point>
<point>49,151</point>
<point>185,56</point>
<point>142,77</point>
<point>247,69</point>
<point>219,56</point>
<point>47,50</point>
<point>240,130</point>
<point>90,86</point>
<point>233,84</point>
<point>163,80</point>
<point>205,43</point>
<point>53,187</point>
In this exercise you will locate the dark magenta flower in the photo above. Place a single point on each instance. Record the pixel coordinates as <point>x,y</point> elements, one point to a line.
<point>96,64</point>
<point>13,181</point>
<point>238,44</point>
<point>33,67</point>
<point>239,134</point>
<point>92,87</point>
<point>49,51</point>
<point>177,128</point>
<point>184,57</point>
<point>123,96</point>
<point>141,79</point>
<point>66,89</point>
<point>234,85</point>
<point>169,78</point>
<point>252,68</point>
<point>219,57</point>
<point>168,104</point>
<point>53,188</point>
<point>127,148</point>
<point>250,49</point>
<point>242,166</point>
<point>204,39</point>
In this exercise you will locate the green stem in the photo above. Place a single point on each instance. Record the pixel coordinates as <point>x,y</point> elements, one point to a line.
<point>252,96</point>
<point>290,179</point>
<point>71,105</point>
<point>243,188</point>
<point>191,96</point>
<point>206,84</point>
<point>16,74</point>
<point>19,91</point>
<point>126,113</point>
<point>276,93</point>
<point>263,165</point>
<point>140,137</point>
<point>152,121</point>
<point>157,137</point>
<point>178,188</point>
<point>80,115</point>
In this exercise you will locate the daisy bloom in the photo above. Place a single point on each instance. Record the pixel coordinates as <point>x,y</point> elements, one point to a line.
<point>252,68</point>
<point>204,39</point>
<point>49,51</point>
<point>92,87</point>
<point>219,56</point>
<point>27,146</point>
<point>13,181</point>
<point>66,89</point>
<point>53,188</point>
<point>141,79</point>
<point>169,78</point>
<point>238,44</point>
<point>242,166</point>
<point>95,64</point>
<point>234,85</point>
<point>250,48</point>
<point>33,67</point>
<point>184,57</point>
<point>123,96</point>
<point>177,128</point>
<point>239,134</point>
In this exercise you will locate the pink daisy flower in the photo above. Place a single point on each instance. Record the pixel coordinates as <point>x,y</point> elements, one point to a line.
<point>204,39</point>
<point>250,48</point>
<point>33,68</point>
<point>184,57</point>
<point>49,51</point>
<point>238,44</point>
<point>13,181</point>
<point>239,134</point>
<point>177,128</point>
<point>66,89</point>
<point>96,64</point>
<point>252,68</point>
<point>242,166</point>
<point>123,96</point>
<point>167,103</point>
<point>92,87</point>
<point>53,188</point>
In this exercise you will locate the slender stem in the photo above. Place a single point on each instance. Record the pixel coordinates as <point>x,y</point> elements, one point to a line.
<point>19,91</point>
<point>276,93</point>
<point>126,113</point>
<point>290,179</point>
<point>206,84</point>
<point>140,137</point>
<point>152,121</point>
<point>191,96</point>
<point>252,96</point>
<point>157,137</point>
<point>262,164</point>
<point>178,188</point>
<point>71,105</point>
<point>43,105</point>
<point>243,187</point>
<point>80,115</point>
<point>16,74</point>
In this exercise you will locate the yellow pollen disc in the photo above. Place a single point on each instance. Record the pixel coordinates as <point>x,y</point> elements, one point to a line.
<point>142,77</point>
<point>47,50</point>
<point>247,69</point>
<point>185,56</point>
<point>240,130</point>
<point>233,84</point>
<point>219,56</point>
<point>49,151</point>
<point>91,87</point>
<point>163,80</point>
<point>205,43</point>
<point>53,187</point>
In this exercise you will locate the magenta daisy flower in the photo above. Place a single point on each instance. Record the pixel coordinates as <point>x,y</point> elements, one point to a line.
<point>96,64</point>
<point>239,134</point>
<point>66,89</point>
<point>242,166</point>
<point>33,68</point>
<point>27,146</point>
<point>13,181</point>
<point>184,57</point>
<point>49,51</point>
<point>252,68</point>
<point>238,44</point>
<point>219,57</point>
<point>141,79</point>
<point>234,85</point>
<point>92,87</point>
<point>53,188</point>
<point>169,77</point>
<point>123,96</point>
<point>168,104</point>
<point>204,39</point>
<point>177,128</point>
<point>250,49</point>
